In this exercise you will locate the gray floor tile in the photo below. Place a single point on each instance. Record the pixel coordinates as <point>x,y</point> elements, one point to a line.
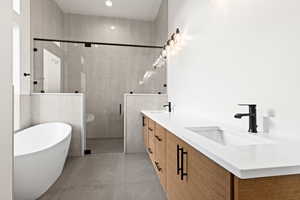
<point>100,192</point>
<point>98,170</point>
<point>107,176</point>
<point>138,168</point>
<point>149,190</point>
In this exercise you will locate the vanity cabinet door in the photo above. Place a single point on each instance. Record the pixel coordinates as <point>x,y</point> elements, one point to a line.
<point>160,154</point>
<point>199,178</point>
<point>145,131</point>
<point>206,180</point>
<point>151,140</point>
<point>268,188</point>
<point>176,188</point>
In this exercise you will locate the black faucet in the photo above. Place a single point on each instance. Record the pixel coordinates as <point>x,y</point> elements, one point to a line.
<point>251,115</point>
<point>169,105</point>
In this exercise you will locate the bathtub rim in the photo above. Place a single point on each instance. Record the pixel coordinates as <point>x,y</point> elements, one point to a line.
<point>69,135</point>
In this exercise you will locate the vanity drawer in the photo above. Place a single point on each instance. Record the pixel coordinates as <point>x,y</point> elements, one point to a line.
<point>145,132</point>
<point>151,141</point>
<point>151,125</point>
<point>160,154</point>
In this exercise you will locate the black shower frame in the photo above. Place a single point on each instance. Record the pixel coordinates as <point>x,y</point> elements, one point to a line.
<point>89,44</point>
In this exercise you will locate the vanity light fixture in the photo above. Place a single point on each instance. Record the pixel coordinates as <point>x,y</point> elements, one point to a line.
<point>173,44</point>
<point>164,52</point>
<point>177,36</point>
<point>170,48</point>
<point>108,3</point>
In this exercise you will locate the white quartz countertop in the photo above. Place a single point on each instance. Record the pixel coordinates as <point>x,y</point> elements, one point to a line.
<point>281,157</point>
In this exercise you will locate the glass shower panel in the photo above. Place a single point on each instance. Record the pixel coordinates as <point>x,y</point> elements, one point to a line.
<point>104,74</point>
<point>49,60</point>
<point>112,71</point>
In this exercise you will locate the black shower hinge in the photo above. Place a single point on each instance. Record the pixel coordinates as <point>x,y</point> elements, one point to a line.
<point>35,49</point>
<point>88,44</point>
<point>87,152</point>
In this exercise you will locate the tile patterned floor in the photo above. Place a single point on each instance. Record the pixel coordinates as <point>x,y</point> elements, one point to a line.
<point>107,176</point>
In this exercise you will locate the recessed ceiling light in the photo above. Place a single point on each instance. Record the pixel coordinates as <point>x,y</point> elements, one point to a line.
<point>112,28</point>
<point>108,3</point>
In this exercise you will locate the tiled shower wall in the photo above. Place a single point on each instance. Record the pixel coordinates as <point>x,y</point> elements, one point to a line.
<point>67,108</point>
<point>109,71</point>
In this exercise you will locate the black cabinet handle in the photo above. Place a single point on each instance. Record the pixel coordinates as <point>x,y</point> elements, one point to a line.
<point>150,151</point>
<point>143,121</point>
<point>26,74</point>
<point>178,167</point>
<point>150,129</point>
<point>157,166</point>
<point>183,153</point>
<point>158,138</point>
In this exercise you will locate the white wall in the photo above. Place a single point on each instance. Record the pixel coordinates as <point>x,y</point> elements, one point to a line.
<point>67,108</point>
<point>23,21</point>
<point>237,52</point>
<point>6,141</point>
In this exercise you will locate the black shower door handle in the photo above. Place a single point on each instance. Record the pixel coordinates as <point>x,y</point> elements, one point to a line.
<point>120,109</point>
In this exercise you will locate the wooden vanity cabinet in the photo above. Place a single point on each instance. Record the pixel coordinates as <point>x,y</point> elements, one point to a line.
<point>176,188</point>
<point>186,174</point>
<point>155,142</point>
<point>160,154</point>
<point>207,180</point>
<point>192,176</point>
<point>145,131</point>
<point>269,188</point>
<point>148,132</point>
<point>151,140</point>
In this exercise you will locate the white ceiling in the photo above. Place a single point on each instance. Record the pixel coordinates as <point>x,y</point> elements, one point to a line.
<point>130,9</point>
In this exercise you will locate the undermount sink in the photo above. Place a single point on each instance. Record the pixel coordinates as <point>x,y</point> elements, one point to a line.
<point>227,138</point>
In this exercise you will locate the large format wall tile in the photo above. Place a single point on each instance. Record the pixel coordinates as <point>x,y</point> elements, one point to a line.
<point>110,71</point>
<point>67,108</point>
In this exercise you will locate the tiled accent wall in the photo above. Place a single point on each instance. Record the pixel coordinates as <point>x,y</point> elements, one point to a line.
<point>67,108</point>
<point>108,70</point>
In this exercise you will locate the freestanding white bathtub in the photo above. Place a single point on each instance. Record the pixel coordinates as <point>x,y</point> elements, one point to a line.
<point>40,155</point>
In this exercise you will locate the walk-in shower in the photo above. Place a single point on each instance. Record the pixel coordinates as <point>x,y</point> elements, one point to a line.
<point>104,72</point>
